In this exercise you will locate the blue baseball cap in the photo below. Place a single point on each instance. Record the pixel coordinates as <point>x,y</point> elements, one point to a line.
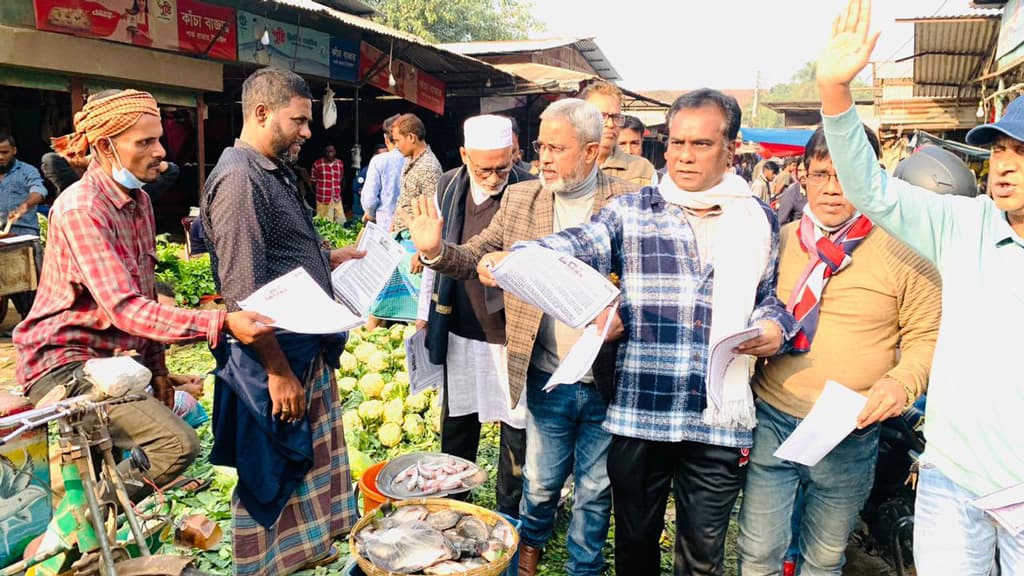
<point>1011,124</point>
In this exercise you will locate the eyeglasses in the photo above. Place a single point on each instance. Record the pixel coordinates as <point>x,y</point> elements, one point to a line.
<point>485,173</point>
<point>617,119</point>
<point>539,147</point>
<point>819,179</point>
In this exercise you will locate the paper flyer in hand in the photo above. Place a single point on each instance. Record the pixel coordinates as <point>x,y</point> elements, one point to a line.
<point>357,282</point>
<point>298,304</point>
<point>721,358</point>
<point>1006,507</point>
<point>830,420</point>
<point>423,374</point>
<point>560,285</point>
<point>582,355</point>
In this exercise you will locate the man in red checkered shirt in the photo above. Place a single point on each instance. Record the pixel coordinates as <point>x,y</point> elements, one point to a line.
<point>329,177</point>
<point>97,291</point>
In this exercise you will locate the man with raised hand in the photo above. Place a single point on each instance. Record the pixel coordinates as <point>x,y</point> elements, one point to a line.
<point>975,398</point>
<point>464,333</point>
<point>563,427</point>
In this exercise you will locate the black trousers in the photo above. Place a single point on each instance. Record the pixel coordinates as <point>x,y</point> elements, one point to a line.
<point>460,436</point>
<point>705,481</point>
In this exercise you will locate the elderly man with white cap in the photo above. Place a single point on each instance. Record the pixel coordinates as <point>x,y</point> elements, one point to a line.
<point>465,321</point>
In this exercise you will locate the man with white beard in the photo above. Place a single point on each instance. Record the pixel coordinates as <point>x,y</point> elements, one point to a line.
<point>465,330</point>
<point>563,427</point>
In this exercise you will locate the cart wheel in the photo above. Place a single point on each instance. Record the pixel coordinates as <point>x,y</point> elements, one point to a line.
<point>3,308</point>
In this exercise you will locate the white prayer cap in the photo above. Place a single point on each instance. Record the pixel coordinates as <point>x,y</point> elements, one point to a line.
<point>487,132</point>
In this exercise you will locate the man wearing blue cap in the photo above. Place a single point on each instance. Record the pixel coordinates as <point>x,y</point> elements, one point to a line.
<point>975,400</point>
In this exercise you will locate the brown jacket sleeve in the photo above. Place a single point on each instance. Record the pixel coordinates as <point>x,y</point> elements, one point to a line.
<point>459,260</point>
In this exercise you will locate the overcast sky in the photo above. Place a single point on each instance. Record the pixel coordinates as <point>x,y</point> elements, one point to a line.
<point>674,44</point>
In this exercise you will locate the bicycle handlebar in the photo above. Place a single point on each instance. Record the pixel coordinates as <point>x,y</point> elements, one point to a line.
<point>31,419</point>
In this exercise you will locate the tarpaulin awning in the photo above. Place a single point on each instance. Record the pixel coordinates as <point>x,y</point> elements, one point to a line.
<point>784,136</point>
<point>781,142</point>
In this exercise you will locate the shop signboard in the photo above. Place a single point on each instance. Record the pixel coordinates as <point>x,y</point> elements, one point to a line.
<point>345,59</point>
<point>411,84</point>
<point>288,46</point>
<point>179,25</point>
<point>200,24</point>
<point>1011,34</point>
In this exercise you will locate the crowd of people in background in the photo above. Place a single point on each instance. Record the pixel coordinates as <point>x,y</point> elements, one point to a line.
<point>839,271</point>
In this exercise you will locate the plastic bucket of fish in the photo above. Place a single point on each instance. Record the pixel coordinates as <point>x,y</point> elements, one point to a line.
<point>433,536</point>
<point>372,498</point>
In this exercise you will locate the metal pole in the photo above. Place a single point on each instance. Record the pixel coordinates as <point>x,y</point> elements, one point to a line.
<point>201,145</point>
<point>114,478</point>
<point>357,149</point>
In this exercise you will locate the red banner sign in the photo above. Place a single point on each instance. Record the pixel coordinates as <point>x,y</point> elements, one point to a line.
<point>411,84</point>
<point>182,25</point>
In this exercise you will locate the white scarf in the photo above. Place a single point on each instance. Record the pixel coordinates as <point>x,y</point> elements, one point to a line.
<point>740,253</point>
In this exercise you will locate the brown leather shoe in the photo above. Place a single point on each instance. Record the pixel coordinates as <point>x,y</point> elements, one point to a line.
<point>528,558</point>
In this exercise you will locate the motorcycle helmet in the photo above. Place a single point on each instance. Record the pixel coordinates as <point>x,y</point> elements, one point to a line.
<point>937,170</point>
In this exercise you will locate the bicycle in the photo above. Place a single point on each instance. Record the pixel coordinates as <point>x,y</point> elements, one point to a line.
<point>95,528</point>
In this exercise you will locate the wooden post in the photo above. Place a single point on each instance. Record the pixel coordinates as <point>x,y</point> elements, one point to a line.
<point>77,95</point>
<point>201,145</point>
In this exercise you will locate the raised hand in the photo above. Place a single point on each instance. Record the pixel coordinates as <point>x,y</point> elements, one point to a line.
<point>425,227</point>
<point>847,53</point>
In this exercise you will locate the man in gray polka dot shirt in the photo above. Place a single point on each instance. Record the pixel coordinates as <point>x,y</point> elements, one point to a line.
<point>258,228</point>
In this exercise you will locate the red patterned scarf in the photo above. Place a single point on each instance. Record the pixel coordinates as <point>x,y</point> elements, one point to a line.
<point>830,255</point>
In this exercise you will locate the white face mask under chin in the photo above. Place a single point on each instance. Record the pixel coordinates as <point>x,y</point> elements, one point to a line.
<point>122,175</point>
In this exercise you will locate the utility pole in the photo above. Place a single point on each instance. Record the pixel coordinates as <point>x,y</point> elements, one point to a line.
<point>757,94</point>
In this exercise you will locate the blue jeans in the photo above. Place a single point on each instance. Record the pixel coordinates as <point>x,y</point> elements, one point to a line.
<point>563,435</point>
<point>834,491</point>
<point>951,536</point>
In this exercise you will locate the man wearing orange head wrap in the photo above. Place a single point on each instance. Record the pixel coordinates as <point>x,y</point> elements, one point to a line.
<point>97,291</point>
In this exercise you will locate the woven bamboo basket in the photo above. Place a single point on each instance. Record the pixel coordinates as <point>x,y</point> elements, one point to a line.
<point>434,504</point>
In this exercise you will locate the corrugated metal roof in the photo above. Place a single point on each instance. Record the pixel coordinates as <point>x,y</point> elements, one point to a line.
<point>543,78</point>
<point>589,49</point>
<point>356,7</point>
<point>507,46</point>
<point>430,58</point>
<point>950,52</point>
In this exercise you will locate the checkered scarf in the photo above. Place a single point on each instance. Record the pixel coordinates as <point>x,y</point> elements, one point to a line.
<point>830,254</point>
<point>104,118</point>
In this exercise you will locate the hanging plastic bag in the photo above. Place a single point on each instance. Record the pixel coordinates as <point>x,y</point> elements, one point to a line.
<point>330,109</point>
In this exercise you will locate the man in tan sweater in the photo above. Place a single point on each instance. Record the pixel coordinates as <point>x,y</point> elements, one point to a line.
<point>869,311</point>
<point>613,160</point>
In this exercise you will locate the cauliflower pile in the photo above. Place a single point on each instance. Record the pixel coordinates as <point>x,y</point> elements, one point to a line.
<point>382,420</point>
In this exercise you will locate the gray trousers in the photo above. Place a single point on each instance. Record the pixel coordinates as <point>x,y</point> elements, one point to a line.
<point>167,440</point>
